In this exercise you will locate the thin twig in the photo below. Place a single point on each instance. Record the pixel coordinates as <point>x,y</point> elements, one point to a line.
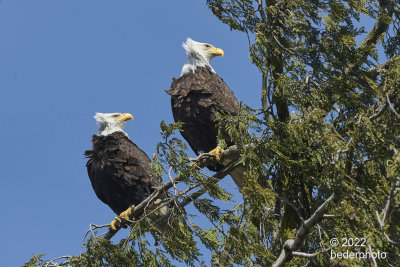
<point>293,206</point>
<point>90,231</point>
<point>391,107</point>
<point>308,255</point>
<point>51,263</point>
<point>373,258</point>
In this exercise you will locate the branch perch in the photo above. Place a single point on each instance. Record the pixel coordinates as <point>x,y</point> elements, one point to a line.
<point>203,160</point>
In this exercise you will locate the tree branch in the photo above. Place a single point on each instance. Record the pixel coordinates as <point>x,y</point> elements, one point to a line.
<point>291,245</point>
<point>379,113</point>
<point>378,69</point>
<point>307,255</point>
<point>372,38</point>
<point>201,161</point>
<point>187,200</point>
<point>381,26</point>
<point>389,203</point>
<point>51,263</point>
<point>260,9</point>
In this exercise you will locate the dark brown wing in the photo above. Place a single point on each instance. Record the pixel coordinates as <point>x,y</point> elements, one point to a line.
<point>119,171</point>
<point>196,98</point>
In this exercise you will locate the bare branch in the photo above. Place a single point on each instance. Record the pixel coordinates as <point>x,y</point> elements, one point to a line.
<point>391,106</point>
<point>379,113</point>
<point>291,245</point>
<point>373,258</point>
<point>52,263</point>
<point>389,203</point>
<point>307,255</point>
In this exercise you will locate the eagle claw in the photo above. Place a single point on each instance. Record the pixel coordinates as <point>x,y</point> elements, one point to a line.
<point>218,151</point>
<point>123,215</point>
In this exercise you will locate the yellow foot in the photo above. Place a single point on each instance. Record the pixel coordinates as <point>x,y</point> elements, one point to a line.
<point>112,224</point>
<point>218,151</point>
<point>124,214</point>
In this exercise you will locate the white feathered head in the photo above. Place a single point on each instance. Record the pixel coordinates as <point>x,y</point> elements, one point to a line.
<point>199,55</point>
<point>111,122</point>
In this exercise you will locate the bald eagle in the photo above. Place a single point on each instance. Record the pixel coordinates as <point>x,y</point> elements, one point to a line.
<point>197,97</point>
<point>118,169</point>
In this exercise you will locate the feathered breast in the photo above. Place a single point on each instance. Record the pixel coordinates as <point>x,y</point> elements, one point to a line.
<point>119,171</point>
<point>196,98</point>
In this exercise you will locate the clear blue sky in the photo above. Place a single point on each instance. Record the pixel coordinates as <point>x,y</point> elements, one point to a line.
<point>62,61</point>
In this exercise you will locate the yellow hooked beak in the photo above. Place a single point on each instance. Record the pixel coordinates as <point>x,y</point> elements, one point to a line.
<point>215,51</point>
<point>126,117</point>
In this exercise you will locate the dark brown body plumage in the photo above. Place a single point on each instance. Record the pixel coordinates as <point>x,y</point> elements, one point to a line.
<point>196,98</point>
<point>119,171</point>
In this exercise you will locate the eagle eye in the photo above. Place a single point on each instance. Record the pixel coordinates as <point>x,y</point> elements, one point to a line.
<point>207,45</point>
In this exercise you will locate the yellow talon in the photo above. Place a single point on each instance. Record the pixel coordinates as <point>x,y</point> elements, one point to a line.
<point>112,224</point>
<point>124,214</point>
<point>218,151</point>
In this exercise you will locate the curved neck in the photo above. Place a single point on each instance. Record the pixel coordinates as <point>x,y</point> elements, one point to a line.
<point>109,129</point>
<point>193,61</point>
